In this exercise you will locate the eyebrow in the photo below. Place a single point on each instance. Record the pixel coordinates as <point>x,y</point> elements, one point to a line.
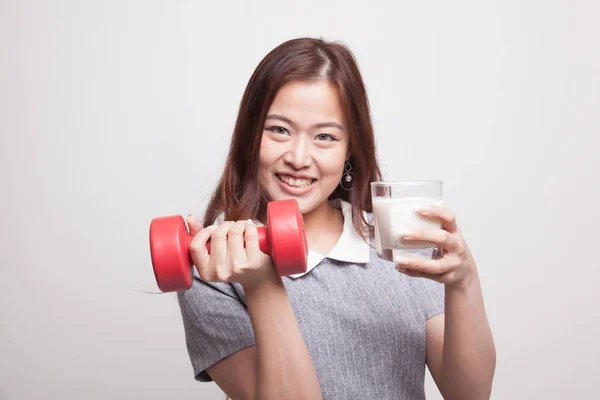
<point>315,126</point>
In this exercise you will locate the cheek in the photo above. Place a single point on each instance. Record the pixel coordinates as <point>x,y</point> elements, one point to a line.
<point>267,153</point>
<point>332,167</point>
<point>266,161</point>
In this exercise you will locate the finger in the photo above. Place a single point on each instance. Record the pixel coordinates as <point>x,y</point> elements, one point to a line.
<point>218,243</point>
<point>426,266</point>
<point>253,251</point>
<point>414,274</point>
<point>440,237</point>
<point>408,272</point>
<point>199,252</point>
<point>194,224</point>
<point>446,216</point>
<point>235,243</point>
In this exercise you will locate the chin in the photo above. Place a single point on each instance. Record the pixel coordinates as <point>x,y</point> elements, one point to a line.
<point>306,206</point>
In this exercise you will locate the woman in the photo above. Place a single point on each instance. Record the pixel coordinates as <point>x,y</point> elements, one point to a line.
<point>354,326</point>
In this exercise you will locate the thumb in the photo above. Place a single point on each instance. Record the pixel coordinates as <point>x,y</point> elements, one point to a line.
<point>194,224</point>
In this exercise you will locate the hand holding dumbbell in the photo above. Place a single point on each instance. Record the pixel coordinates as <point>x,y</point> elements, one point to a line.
<point>283,238</point>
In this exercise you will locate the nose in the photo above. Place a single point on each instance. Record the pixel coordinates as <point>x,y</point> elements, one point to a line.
<point>299,153</point>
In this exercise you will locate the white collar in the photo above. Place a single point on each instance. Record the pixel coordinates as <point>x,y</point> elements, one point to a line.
<point>350,247</point>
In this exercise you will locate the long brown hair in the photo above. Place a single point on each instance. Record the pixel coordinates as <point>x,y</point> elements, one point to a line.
<point>238,194</point>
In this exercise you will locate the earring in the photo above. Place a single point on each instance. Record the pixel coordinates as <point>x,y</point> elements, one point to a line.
<point>347,176</point>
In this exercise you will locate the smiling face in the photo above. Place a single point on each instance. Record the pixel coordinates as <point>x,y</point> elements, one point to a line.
<point>304,144</point>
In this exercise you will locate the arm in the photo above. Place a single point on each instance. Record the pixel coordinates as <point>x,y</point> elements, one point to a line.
<point>460,349</point>
<point>461,353</point>
<point>279,366</point>
<point>284,366</point>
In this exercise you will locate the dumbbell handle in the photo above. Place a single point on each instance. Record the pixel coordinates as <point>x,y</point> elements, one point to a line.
<point>263,241</point>
<point>283,238</point>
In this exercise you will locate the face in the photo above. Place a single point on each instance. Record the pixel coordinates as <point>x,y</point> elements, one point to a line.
<point>304,144</point>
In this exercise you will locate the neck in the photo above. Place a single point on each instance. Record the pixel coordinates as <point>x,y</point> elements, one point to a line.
<point>322,223</point>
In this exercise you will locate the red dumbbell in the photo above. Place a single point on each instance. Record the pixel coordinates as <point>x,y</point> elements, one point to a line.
<point>283,238</point>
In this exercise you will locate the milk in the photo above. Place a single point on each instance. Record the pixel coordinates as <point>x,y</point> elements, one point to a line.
<point>393,216</point>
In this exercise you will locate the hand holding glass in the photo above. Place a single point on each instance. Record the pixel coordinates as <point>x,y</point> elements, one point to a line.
<point>395,211</point>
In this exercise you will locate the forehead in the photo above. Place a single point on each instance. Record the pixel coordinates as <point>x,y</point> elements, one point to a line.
<point>317,101</point>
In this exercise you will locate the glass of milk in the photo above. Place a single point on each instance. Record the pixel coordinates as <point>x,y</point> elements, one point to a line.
<point>394,210</point>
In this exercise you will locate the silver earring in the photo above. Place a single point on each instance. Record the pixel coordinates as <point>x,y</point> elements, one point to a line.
<point>347,176</point>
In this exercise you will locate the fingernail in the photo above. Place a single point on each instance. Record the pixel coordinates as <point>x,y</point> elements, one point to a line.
<point>406,234</point>
<point>400,269</point>
<point>401,260</point>
<point>422,208</point>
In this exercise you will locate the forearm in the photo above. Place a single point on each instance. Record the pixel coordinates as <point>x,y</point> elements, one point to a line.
<point>285,369</point>
<point>469,356</point>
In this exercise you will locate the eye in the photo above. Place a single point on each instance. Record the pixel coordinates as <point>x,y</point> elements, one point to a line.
<point>278,130</point>
<point>326,136</point>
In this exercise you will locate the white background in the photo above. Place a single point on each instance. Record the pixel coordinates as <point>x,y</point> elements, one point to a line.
<point>116,112</point>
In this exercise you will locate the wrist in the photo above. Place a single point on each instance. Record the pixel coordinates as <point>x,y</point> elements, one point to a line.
<point>466,284</point>
<point>264,283</point>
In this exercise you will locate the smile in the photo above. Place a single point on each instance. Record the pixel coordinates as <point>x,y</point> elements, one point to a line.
<point>296,182</point>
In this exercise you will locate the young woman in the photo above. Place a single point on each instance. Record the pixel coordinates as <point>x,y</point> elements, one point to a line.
<point>354,326</point>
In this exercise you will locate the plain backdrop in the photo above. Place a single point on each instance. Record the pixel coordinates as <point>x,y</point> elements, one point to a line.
<point>116,112</point>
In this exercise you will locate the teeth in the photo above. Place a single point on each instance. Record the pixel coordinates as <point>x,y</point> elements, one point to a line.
<point>296,182</point>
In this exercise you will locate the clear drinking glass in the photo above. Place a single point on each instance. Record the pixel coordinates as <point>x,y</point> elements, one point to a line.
<point>394,209</point>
